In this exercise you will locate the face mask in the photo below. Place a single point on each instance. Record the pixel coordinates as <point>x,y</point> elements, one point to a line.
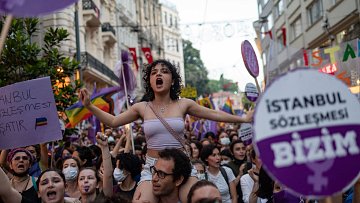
<point>225,141</point>
<point>70,173</point>
<point>119,175</point>
<point>224,162</point>
<point>285,197</point>
<point>201,176</point>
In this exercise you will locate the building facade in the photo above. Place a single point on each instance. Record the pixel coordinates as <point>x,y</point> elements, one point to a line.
<point>286,29</point>
<point>171,36</point>
<point>107,27</point>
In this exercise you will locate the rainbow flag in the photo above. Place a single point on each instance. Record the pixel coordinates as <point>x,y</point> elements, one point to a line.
<point>228,107</point>
<point>101,99</point>
<point>206,102</point>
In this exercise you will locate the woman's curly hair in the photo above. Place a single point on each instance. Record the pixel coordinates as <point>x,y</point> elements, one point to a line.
<point>175,89</point>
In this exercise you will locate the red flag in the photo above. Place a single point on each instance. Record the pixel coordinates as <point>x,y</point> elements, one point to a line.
<point>284,35</point>
<point>268,33</point>
<point>133,54</point>
<point>147,53</point>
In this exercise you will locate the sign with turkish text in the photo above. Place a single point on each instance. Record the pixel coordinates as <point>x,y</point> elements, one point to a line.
<point>249,58</point>
<point>307,133</point>
<point>28,114</point>
<point>251,92</point>
<point>246,133</point>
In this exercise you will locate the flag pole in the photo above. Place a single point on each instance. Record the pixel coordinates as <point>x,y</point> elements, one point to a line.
<point>128,106</point>
<point>5,31</point>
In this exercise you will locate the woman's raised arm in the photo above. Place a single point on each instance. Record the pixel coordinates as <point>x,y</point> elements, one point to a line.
<point>194,109</point>
<point>126,117</point>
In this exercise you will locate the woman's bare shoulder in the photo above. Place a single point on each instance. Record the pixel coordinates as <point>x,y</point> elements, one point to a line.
<point>186,102</point>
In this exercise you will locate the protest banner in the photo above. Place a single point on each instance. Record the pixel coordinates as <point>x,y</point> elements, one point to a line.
<point>28,114</point>
<point>306,131</point>
<point>251,92</point>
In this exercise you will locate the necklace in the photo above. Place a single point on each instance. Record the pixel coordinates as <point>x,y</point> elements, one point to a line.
<point>14,185</point>
<point>163,108</point>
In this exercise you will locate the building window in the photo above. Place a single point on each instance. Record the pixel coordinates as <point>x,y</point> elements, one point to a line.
<point>177,45</point>
<point>146,9</point>
<point>280,42</point>
<point>176,23</point>
<point>165,18</point>
<point>263,57</point>
<point>171,23</point>
<point>270,22</point>
<point>260,8</point>
<point>296,28</point>
<point>314,12</point>
<point>333,2</point>
<point>279,8</point>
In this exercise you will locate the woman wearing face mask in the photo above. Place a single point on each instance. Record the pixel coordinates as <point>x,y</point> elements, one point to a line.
<point>200,168</point>
<point>70,169</point>
<point>127,172</point>
<point>88,178</point>
<point>223,178</point>
<point>224,141</point>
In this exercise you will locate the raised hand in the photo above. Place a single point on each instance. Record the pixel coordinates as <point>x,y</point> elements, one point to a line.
<point>249,116</point>
<point>84,97</point>
<point>102,140</point>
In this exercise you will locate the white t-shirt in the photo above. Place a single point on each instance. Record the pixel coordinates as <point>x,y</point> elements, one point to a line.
<point>223,187</point>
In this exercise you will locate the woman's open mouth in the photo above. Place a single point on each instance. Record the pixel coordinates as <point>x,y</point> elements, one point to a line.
<point>51,195</point>
<point>159,82</point>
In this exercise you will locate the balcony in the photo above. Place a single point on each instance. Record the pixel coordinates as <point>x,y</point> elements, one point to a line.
<point>90,62</point>
<point>91,13</point>
<point>108,33</point>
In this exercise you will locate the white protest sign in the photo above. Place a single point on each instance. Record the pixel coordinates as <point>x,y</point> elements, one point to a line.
<point>307,130</point>
<point>246,133</point>
<point>28,114</point>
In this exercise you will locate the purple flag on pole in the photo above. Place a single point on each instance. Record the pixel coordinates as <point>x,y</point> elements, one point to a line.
<point>32,8</point>
<point>130,79</point>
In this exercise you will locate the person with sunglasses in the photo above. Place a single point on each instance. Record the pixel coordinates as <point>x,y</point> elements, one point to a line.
<point>172,170</point>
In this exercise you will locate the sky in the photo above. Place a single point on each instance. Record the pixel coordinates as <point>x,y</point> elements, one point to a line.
<point>217,28</point>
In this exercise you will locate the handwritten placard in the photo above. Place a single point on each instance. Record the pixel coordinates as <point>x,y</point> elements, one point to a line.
<point>28,114</point>
<point>307,132</point>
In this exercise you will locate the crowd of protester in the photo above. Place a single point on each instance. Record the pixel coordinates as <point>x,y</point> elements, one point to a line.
<point>161,165</point>
<point>109,171</point>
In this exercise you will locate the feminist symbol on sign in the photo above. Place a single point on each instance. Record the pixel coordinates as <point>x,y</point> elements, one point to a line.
<point>317,179</point>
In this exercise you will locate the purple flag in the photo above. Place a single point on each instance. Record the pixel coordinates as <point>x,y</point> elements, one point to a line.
<point>129,76</point>
<point>32,8</point>
<point>207,126</point>
<point>94,128</point>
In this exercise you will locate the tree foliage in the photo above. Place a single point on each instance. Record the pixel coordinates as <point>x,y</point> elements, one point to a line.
<point>23,59</point>
<point>195,71</point>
